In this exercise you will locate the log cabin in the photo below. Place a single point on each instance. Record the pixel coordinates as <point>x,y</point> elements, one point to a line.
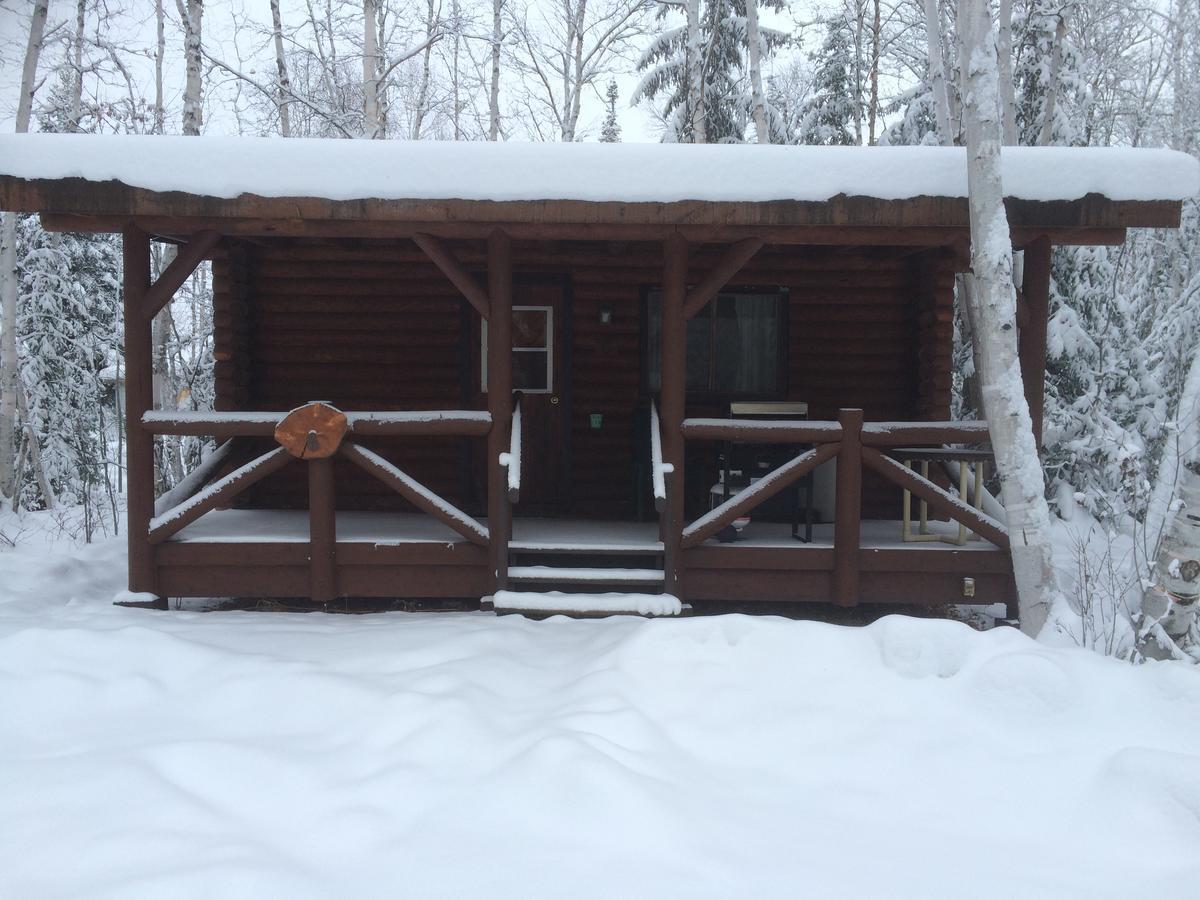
<point>657,374</point>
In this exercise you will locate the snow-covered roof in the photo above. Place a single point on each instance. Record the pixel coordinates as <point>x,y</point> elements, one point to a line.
<point>226,167</point>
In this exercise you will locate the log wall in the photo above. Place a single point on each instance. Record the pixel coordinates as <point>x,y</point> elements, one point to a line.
<point>374,325</point>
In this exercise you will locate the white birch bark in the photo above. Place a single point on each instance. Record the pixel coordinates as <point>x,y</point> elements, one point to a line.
<point>693,63</point>
<point>77,64</point>
<point>937,72</point>
<point>432,12</point>
<point>754,60</point>
<point>873,104</point>
<point>994,313</point>
<point>370,69</point>
<point>9,373</point>
<point>281,72</point>
<point>1007,88</point>
<point>193,93</point>
<point>160,52</point>
<point>494,86</point>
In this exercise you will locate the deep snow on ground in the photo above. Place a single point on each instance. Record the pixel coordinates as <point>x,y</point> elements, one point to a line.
<point>232,754</point>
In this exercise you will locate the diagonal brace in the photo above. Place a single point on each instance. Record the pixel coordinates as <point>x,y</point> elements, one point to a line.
<point>736,256</point>
<point>180,270</point>
<point>443,257</point>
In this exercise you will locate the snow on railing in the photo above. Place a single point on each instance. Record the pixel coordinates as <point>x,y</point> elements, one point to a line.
<point>658,469</point>
<point>512,459</point>
<point>193,481</point>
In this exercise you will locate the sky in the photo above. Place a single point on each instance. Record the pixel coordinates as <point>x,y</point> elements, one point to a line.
<point>131,26</point>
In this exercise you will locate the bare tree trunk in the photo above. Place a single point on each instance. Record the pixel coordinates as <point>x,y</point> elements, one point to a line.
<point>494,89</point>
<point>994,313</point>
<point>370,69</point>
<point>431,17</point>
<point>9,373</point>
<point>754,58</point>
<point>1046,134</point>
<point>695,74</point>
<point>193,93</point>
<point>35,451</point>
<point>281,72</point>
<point>160,51</point>
<point>1007,88</point>
<point>873,109</point>
<point>937,72</point>
<point>77,62</point>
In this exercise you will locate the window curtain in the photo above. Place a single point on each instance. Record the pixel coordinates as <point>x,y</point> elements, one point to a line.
<point>758,343</point>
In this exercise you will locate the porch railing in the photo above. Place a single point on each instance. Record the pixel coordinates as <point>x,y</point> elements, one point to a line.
<point>855,445</point>
<point>312,434</point>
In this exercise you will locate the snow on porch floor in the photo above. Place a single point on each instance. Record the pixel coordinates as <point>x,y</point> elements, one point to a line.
<point>244,525</point>
<point>249,755</point>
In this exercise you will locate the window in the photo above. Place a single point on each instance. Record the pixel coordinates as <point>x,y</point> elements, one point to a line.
<point>532,347</point>
<point>733,345</point>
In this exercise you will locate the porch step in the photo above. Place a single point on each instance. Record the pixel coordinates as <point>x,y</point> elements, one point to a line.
<point>588,575</point>
<point>548,603</point>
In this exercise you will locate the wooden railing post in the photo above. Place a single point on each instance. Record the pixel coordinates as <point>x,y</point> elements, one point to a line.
<point>499,382</point>
<point>1031,340</point>
<point>673,394</point>
<point>139,398</point>
<point>322,530</point>
<point>847,523</point>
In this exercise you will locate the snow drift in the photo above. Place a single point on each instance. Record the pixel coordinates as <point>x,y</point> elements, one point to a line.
<point>184,754</point>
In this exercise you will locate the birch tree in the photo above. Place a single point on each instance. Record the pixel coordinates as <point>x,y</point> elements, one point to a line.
<point>372,126</point>
<point>993,311</point>
<point>758,100</point>
<point>9,384</point>
<point>281,72</point>
<point>193,93</point>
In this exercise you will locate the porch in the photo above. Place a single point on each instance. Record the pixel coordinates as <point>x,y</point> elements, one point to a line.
<point>196,545</point>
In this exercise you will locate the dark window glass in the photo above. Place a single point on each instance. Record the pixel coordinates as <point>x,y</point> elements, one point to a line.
<point>732,345</point>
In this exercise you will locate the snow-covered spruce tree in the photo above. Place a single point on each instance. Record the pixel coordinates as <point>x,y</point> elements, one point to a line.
<point>703,79</point>
<point>69,332</point>
<point>1046,71</point>
<point>833,113</point>
<point>610,131</point>
<point>993,315</point>
<point>1104,411</point>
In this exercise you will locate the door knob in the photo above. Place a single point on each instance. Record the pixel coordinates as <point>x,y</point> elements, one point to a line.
<point>554,400</point>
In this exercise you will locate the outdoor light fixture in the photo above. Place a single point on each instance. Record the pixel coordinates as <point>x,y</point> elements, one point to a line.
<point>606,315</point>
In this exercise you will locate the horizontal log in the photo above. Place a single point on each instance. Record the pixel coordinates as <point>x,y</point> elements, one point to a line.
<point>362,423</point>
<point>771,432</point>
<point>903,434</point>
<point>938,499</point>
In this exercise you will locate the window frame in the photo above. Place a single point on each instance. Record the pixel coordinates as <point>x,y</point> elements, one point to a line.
<point>548,349</point>
<point>782,296</point>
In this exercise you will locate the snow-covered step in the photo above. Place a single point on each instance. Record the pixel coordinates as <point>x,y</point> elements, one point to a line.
<point>588,575</point>
<point>583,605</point>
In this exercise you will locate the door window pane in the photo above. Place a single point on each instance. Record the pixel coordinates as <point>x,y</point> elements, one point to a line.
<point>532,349</point>
<point>529,328</point>
<point>531,370</point>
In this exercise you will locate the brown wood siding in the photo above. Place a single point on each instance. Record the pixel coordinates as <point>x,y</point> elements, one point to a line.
<point>376,326</point>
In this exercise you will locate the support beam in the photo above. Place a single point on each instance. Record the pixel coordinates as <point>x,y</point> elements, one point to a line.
<point>443,257</point>
<point>139,397</point>
<point>672,397</point>
<point>1031,337</point>
<point>729,265</point>
<point>322,531</point>
<point>847,521</point>
<point>499,384</point>
<point>180,270</point>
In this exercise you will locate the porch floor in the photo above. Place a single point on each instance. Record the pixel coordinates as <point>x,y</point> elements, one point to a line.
<point>382,528</point>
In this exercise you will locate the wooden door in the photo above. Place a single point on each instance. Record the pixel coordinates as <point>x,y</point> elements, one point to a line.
<point>541,378</point>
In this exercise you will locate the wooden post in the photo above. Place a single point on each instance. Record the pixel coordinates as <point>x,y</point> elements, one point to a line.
<point>322,531</point>
<point>1031,340</point>
<point>673,395</point>
<point>847,523</point>
<point>499,379</point>
<point>139,398</point>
